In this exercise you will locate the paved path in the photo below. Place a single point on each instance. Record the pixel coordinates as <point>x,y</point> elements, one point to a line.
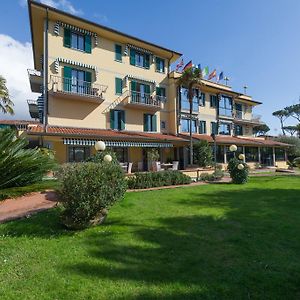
<point>26,205</point>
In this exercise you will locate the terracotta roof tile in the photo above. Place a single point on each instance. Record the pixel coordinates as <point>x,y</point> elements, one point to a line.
<point>18,122</point>
<point>71,131</point>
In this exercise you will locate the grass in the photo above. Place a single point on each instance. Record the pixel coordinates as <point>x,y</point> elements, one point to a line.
<point>219,241</point>
<point>22,190</point>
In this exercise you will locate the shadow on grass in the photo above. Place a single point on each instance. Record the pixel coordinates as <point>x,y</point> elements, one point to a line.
<point>44,225</point>
<point>249,249</point>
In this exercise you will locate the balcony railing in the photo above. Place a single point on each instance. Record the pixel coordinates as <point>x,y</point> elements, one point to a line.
<point>33,109</point>
<point>145,99</point>
<point>77,87</point>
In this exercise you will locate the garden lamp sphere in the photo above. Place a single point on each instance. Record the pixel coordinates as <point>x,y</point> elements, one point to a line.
<point>107,158</point>
<point>100,146</point>
<point>241,156</point>
<point>233,148</point>
<point>240,166</point>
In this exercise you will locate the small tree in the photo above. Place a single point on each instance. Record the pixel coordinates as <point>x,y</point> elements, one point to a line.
<point>189,79</point>
<point>5,103</point>
<point>290,129</point>
<point>282,115</point>
<point>202,154</point>
<point>294,150</point>
<point>294,111</point>
<point>261,129</point>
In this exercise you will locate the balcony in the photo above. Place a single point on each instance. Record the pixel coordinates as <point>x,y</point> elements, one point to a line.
<point>71,88</point>
<point>36,80</point>
<point>239,118</point>
<point>33,109</point>
<point>143,100</point>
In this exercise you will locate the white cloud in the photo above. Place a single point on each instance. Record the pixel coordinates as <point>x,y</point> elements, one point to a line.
<point>15,59</point>
<point>65,5</point>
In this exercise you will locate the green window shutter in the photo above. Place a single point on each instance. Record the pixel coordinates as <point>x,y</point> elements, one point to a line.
<point>88,76</point>
<point>87,43</point>
<point>157,63</point>
<point>147,61</point>
<point>158,91</point>
<point>163,92</point>
<point>147,89</point>
<point>203,99</point>
<point>146,124</point>
<point>154,123</point>
<point>118,52</point>
<point>132,57</point>
<point>67,78</point>
<point>112,119</point>
<point>133,86</point>
<point>67,38</point>
<point>122,120</point>
<point>118,85</point>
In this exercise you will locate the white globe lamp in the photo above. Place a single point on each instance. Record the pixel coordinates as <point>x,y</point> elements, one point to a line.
<point>107,158</point>
<point>100,146</point>
<point>233,148</point>
<point>240,166</point>
<point>241,156</point>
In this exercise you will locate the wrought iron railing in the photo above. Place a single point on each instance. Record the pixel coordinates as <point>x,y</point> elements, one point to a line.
<point>146,99</point>
<point>78,87</point>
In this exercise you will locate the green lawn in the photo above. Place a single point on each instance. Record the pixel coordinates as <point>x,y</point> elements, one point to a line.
<point>217,241</point>
<point>22,190</point>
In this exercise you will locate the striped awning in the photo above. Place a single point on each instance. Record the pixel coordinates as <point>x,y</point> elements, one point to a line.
<point>75,28</point>
<point>74,63</point>
<point>91,142</point>
<point>141,79</point>
<point>139,49</point>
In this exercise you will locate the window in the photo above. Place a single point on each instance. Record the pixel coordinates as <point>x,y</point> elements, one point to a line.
<point>202,99</point>
<point>117,119</point>
<point>220,154</point>
<point>225,106</point>
<point>139,59</point>
<point>213,100</point>
<point>121,153</point>
<point>279,154</point>
<point>251,154</point>
<point>78,154</point>
<point>185,125</point>
<point>225,128</point>
<point>140,92</point>
<point>163,124</point>
<point>118,86</point>
<point>77,81</point>
<point>214,127</point>
<point>118,53</point>
<point>161,92</point>
<point>238,130</point>
<point>150,122</point>
<point>77,40</point>
<point>184,101</point>
<point>160,65</point>
<point>238,110</point>
<point>202,127</point>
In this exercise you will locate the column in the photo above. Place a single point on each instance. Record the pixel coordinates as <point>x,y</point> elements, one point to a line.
<point>225,155</point>
<point>274,157</point>
<point>244,160</point>
<point>259,155</point>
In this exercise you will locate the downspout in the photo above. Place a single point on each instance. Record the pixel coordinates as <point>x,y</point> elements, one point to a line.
<point>45,70</point>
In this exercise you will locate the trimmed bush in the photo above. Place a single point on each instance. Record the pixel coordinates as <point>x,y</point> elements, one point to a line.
<point>88,191</point>
<point>202,154</point>
<point>237,175</point>
<point>217,175</point>
<point>157,179</point>
<point>20,166</point>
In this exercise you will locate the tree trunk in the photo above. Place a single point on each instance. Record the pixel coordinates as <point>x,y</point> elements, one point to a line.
<point>191,132</point>
<point>282,126</point>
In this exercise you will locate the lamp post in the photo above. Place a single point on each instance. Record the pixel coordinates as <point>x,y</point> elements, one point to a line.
<point>233,148</point>
<point>215,150</point>
<point>100,146</point>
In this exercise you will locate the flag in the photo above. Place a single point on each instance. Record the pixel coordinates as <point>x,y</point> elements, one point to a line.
<point>205,72</point>
<point>212,74</point>
<point>221,76</point>
<point>189,65</point>
<point>199,66</point>
<point>179,65</point>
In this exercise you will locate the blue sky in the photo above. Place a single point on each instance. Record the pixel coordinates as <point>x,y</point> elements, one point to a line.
<point>254,42</point>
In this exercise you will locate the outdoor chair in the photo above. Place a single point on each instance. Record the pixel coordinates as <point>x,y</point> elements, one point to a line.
<point>175,165</point>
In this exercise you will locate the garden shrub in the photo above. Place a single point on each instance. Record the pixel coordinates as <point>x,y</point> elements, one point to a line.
<point>237,175</point>
<point>88,191</point>
<point>157,179</point>
<point>202,154</point>
<point>99,157</point>
<point>20,166</point>
<point>216,175</point>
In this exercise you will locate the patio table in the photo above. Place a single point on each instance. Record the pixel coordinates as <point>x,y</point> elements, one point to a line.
<point>166,165</point>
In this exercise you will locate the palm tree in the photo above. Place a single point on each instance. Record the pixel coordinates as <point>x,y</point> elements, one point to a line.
<point>189,79</point>
<point>5,103</point>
